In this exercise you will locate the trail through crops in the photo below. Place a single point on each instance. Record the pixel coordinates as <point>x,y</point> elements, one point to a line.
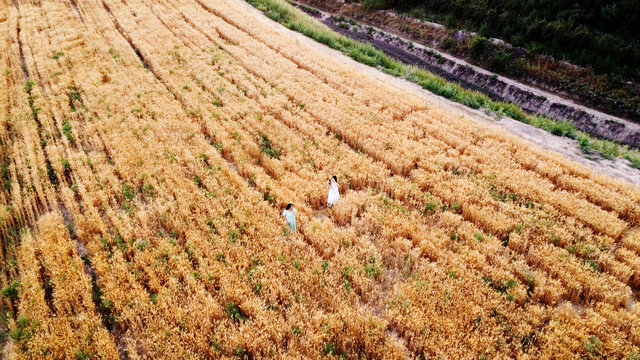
<point>148,149</point>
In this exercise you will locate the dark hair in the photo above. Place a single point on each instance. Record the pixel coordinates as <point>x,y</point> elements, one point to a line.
<point>289,205</point>
<point>335,178</point>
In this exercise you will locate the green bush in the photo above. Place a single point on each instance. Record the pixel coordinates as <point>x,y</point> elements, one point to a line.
<point>584,145</point>
<point>235,313</point>
<point>371,269</point>
<point>478,47</point>
<point>267,148</point>
<point>498,63</point>
<point>66,129</point>
<point>375,4</point>
<point>22,332</point>
<point>11,291</point>
<point>449,44</point>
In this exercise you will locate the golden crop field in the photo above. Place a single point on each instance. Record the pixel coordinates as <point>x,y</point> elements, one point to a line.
<point>148,148</point>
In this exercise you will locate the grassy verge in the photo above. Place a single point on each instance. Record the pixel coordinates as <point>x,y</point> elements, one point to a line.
<point>295,19</point>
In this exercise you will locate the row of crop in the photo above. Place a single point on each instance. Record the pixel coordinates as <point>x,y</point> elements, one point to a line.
<point>9,220</point>
<point>57,316</point>
<point>27,190</point>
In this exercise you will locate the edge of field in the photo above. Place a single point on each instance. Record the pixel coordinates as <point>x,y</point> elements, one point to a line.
<point>617,168</point>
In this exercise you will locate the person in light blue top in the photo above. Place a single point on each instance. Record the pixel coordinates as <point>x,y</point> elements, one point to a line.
<point>290,216</point>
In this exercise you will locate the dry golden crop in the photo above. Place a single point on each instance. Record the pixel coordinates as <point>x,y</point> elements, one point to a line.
<point>147,150</point>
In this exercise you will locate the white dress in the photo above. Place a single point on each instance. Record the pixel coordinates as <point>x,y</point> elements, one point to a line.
<point>334,195</point>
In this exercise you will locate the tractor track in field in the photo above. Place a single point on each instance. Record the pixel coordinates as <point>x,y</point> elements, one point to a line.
<point>114,328</point>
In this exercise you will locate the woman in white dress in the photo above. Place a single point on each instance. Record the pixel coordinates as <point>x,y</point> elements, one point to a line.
<point>334,194</point>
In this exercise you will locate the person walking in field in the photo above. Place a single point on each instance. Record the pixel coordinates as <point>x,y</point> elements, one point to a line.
<point>334,194</point>
<point>290,216</point>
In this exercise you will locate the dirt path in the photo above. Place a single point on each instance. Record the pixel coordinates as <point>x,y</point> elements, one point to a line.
<point>618,168</point>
